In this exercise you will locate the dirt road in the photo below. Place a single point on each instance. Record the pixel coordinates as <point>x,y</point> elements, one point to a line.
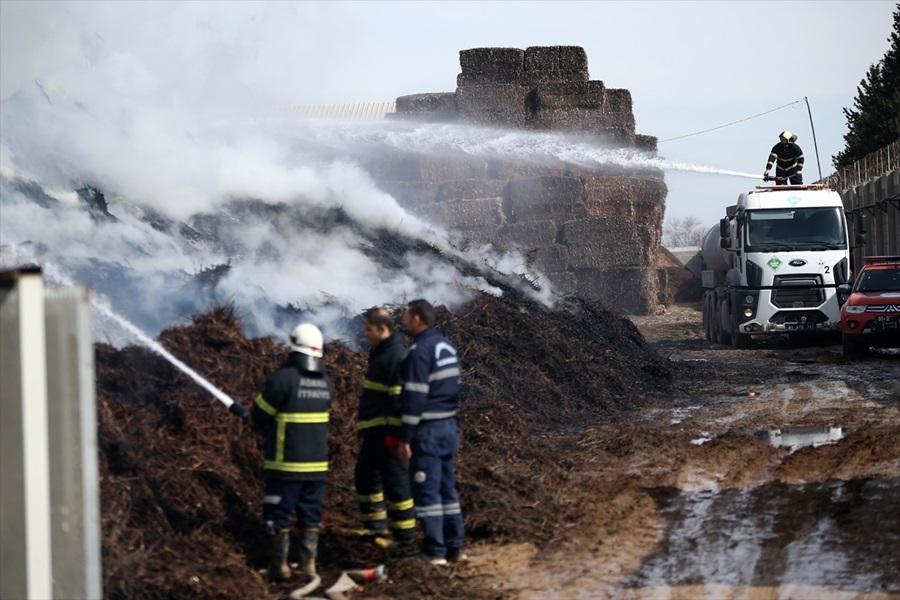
<point>772,472</point>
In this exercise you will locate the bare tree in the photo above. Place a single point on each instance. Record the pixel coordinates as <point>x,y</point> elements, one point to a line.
<point>687,231</point>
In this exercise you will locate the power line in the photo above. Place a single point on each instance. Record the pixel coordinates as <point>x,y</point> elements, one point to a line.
<point>732,123</point>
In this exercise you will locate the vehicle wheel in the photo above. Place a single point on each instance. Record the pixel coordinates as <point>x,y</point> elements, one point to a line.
<point>707,325</point>
<point>851,347</point>
<point>724,318</point>
<point>741,340</point>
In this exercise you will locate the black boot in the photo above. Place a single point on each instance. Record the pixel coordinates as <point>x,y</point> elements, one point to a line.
<point>278,555</point>
<point>309,543</point>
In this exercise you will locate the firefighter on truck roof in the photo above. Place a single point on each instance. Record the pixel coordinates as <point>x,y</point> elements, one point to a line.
<point>787,157</point>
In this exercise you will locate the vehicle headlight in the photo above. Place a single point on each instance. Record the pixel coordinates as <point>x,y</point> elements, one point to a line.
<point>749,299</point>
<point>856,309</point>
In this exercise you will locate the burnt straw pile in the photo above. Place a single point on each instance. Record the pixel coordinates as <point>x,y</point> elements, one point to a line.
<point>181,477</point>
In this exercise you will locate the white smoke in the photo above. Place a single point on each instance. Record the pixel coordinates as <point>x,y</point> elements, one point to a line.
<point>159,106</point>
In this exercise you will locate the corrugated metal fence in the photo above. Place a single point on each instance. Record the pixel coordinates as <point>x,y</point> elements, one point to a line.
<point>870,167</point>
<point>365,111</point>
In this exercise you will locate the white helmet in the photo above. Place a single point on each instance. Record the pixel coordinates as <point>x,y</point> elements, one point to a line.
<point>788,136</point>
<point>306,339</point>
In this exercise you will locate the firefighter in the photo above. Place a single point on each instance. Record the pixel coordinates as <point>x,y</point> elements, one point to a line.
<point>292,414</point>
<point>430,434</point>
<point>380,471</point>
<point>787,157</point>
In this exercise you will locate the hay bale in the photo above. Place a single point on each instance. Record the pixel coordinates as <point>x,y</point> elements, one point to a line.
<point>535,78</point>
<point>392,165</point>
<point>505,119</point>
<point>551,258</point>
<point>467,189</point>
<point>427,103</point>
<point>502,62</point>
<point>622,289</point>
<point>542,198</point>
<point>466,237</point>
<point>491,97</point>
<point>646,143</point>
<point>606,253</point>
<point>555,58</point>
<point>563,282</point>
<point>436,168</point>
<point>508,169</point>
<point>555,64</point>
<point>610,208</point>
<point>650,238</point>
<point>618,101</point>
<point>410,194</point>
<point>597,230</point>
<point>590,121</point>
<point>545,189</point>
<point>643,200</point>
<point>640,190</point>
<point>435,117</point>
<point>572,94</point>
<point>539,211</point>
<point>429,108</point>
<point>466,214</point>
<point>536,234</point>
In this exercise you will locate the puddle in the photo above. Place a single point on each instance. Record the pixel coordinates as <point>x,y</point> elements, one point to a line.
<point>838,534</point>
<point>798,437</point>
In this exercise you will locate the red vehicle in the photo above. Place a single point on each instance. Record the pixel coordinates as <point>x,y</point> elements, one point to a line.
<point>871,314</point>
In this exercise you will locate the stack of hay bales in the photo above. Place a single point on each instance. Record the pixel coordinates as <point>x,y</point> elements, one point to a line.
<point>433,108</point>
<point>594,232</point>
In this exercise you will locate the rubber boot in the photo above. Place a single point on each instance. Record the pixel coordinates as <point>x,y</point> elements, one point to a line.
<point>278,565</point>
<point>309,543</point>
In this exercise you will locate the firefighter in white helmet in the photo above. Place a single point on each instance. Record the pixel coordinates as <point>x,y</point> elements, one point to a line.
<point>292,413</point>
<point>787,157</point>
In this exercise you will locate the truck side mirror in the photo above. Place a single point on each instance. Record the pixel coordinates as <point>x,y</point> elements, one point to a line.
<point>843,292</point>
<point>862,227</point>
<point>723,228</point>
<point>861,239</point>
<point>724,234</point>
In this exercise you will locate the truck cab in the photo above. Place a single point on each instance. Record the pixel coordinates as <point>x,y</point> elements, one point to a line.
<point>774,265</point>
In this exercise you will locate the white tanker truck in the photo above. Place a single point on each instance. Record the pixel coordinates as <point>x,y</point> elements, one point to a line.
<point>773,264</point>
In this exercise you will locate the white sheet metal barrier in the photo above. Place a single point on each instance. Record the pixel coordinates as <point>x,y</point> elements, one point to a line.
<point>49,500</point>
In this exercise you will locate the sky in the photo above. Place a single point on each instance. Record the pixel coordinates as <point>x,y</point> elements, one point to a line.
<point>160,102</point>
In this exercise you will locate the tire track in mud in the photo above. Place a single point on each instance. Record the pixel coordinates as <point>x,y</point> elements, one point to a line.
<point>705,499</point>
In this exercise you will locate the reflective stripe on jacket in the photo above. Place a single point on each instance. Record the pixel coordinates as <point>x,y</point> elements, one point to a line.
<point>430,381</point>
<point>787,159</point>
<point>379,404</point>
<point>292,412</point>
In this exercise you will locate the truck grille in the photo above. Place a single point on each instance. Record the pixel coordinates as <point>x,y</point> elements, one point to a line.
<point>797,292</point>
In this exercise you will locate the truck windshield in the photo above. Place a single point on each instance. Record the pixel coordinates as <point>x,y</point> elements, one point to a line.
<point>796,227</point>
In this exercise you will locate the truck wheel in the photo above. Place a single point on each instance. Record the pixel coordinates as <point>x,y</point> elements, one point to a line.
<point>707,325</point>
<point>851,347</point>
<point>723,316</point>
<point>741,340</point>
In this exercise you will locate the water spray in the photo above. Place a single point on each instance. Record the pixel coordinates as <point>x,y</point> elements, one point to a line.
<point>221,396</point>
<point>437,138</point>
<point>103,307</point>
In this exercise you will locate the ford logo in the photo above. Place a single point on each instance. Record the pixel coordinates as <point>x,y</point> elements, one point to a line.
<point>797,262</point>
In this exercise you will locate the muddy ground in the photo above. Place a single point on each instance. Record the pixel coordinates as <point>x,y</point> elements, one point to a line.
<point>602,458</point>
<point>772,472</point>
